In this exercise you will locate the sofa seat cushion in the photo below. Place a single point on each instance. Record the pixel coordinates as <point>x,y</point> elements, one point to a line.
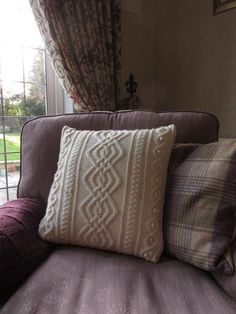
<point>81,280</point>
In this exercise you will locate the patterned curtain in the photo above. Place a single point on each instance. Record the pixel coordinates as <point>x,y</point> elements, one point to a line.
<point>83,39</point>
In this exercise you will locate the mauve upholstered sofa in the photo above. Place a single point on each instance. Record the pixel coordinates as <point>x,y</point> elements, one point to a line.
<point>70,279</point>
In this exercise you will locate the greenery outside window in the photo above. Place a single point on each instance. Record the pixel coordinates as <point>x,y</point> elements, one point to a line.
<point>26,76</point>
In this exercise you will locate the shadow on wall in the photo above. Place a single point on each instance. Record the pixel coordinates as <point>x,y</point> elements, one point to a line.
<point>183,58</point>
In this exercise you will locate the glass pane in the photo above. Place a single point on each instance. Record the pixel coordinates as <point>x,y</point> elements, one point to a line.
<point>1,146</point>
<point>1,136</point>
<point>13,99</point>
<point>12,194</point>
<point>14,125</point>
<point>27,118</point>
<point>3,196</point>
<point>13,146</point>
<point>34,66</point>
<point>10,21</point>
<point>2,172</point>
<point>13,171</point>
<point>30,35</point>
<point>11,59</point>
<point>15,17</point>
<point>35,99</point>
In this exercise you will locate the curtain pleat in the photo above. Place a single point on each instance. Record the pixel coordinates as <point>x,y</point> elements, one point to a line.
<point>83,39</point>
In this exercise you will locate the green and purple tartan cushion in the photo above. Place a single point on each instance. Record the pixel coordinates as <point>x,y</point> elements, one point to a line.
<point>200,206</point>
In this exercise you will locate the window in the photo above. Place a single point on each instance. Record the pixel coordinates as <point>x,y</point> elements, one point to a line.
<point>25,79</point>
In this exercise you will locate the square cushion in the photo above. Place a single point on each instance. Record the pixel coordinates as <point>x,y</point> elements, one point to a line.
<point>200,206</point>
<point>21,248</point>
<point>108,191</point>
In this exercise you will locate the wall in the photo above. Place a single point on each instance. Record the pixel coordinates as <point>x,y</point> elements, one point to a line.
<point>205,62</point>
<point>183,57</point>
<point>144,46</point>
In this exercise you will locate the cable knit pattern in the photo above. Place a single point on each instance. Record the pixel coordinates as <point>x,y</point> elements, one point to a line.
<point>153,223</point>
<point>108,190</point>
<point>67,215</point>
<point>99,209</point>
<point>131,219</point>
<point>56,187</point>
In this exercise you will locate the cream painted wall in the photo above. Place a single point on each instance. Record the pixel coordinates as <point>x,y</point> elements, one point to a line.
<point>205,62</point>
<point>183,57</point>
<point>143,35</point>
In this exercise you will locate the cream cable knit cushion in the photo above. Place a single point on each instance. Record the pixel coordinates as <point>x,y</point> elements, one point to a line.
<point>108,191</point>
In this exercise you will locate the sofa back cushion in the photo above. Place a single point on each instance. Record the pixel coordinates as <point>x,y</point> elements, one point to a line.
<point>40,141</point>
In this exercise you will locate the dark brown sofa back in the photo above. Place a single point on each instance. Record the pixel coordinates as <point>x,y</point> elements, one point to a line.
<point>41,139</point>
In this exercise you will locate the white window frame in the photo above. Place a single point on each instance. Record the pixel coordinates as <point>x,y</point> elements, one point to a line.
<point>58,101</point>
<point>55,93</point>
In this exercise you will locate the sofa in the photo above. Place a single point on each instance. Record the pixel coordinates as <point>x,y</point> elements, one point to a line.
<point>46,277</point>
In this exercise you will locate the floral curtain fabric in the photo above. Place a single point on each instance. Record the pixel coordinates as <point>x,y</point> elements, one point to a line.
<point>84,40</point>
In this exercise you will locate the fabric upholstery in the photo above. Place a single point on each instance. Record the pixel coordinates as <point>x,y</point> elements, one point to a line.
<point>228,283</point>
<point>83,39</point>
<point>41,139</point>
<point>199,214</point>
<point>108,191</point>
<point>21,248</point>
<point>78,280</point>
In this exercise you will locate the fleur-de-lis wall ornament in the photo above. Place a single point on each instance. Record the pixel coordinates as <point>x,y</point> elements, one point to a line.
<point>131,85</point>
<point>133,101</point>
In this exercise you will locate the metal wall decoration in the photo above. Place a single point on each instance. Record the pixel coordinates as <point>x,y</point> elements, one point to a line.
<point>133,101</point>
<point>223,5</point>
<point>131,85</point>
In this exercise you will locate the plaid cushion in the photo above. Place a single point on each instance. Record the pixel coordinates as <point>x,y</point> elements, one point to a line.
<point>200,206</point>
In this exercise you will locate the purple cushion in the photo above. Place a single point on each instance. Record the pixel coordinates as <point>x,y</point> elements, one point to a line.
<point>199,213</point>
<point>21,248</point>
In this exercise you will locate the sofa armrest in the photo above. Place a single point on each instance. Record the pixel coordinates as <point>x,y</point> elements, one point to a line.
<point>21,248</point>
<point>228,283</point>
